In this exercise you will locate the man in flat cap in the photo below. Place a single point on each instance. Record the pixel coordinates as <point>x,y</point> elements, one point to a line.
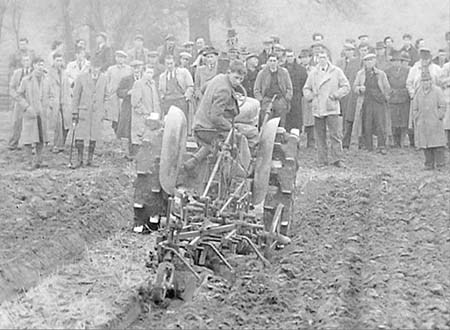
<point>409,48</point>
<point>124,91</point>
<point>206,72</point>
<point>114,75</point>
<point>103,53</point>
<point>169,48</point>
<point>185,61</point>
<point>252,65</point>
<point>325,86</point>
<point>399,102</point>
<point>373,91</point>
<point>88,109</point>
<point>428,111</point>
<point>350,65</point>
<point>414,80</point>
<point>138,52</point>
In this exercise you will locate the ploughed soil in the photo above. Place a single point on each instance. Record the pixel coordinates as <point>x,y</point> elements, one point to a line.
<point>49,216</point>
<point>371,250</point>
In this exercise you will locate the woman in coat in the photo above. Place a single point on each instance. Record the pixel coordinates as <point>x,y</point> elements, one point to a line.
<point>88,110</point>
<point>32,96</point>
<point>428,110</point>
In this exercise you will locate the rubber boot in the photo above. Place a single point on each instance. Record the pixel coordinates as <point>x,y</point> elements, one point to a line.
<point>310,139</point>
<point>80,148</point>
<point>192,163</point>
<point>38,156</point>
<point>91,154</point>
<point>411,138</point>
<point>29,155</point>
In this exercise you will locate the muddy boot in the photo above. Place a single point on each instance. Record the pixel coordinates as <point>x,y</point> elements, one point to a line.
<point>191,164</point>
<point>411,139</point>
<point>91,154</point>
<point>80,148</point>
<point>38,156</point>
<point>310,140</point>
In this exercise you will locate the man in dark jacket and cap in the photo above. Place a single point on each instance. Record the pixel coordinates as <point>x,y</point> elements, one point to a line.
<point>298,74</point>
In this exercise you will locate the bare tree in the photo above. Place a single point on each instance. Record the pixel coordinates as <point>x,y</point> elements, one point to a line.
<point>4,4</point>
<point>17,7</point>
<point>67,27</point>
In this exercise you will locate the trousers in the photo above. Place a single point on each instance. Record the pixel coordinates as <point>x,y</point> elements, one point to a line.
<point>321,124</point>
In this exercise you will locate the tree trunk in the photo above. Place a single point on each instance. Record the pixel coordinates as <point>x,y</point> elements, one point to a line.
<point>228,13</point>
<point>67,23</point>
<point>95,22</point>
<point>198,16</point>
<point>3,6</point>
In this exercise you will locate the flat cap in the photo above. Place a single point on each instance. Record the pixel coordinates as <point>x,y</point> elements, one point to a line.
<point>279,47</point>
<point>268,41</point>
<point>185,54</point>
<point>369,56</point>
<point>170,36</point>
<point>136,63</point>
<point>188,44</point>
<point>153,53</point>
<point>210,50</point>
<point>102,34</point>
<point>251,55</point>
<point>305,52</point>
<point>349,46</point>
<point>121,53</point>
<point>363,36</point>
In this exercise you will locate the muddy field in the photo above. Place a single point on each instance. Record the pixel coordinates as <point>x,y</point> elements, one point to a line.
<point>370,250</point>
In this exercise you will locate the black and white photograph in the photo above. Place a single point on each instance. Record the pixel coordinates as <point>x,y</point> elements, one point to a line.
<point>225,164</point>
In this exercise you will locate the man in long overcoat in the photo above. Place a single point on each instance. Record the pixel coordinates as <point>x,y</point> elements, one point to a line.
<point>373,91</point>
<point>350,65</point>
<point>114,75</point>
<point>33,98</point>
<point>124,92</point>
<point>88,110</point>
<point>298,74</point>
<point>399,101</point>
<point>17,116</point>
<point>60,102</point>
<point>413,82</point>
<point>445,84</point>
<point>428,110</point>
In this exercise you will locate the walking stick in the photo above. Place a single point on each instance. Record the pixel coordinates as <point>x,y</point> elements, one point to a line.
<point>74,126</point>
